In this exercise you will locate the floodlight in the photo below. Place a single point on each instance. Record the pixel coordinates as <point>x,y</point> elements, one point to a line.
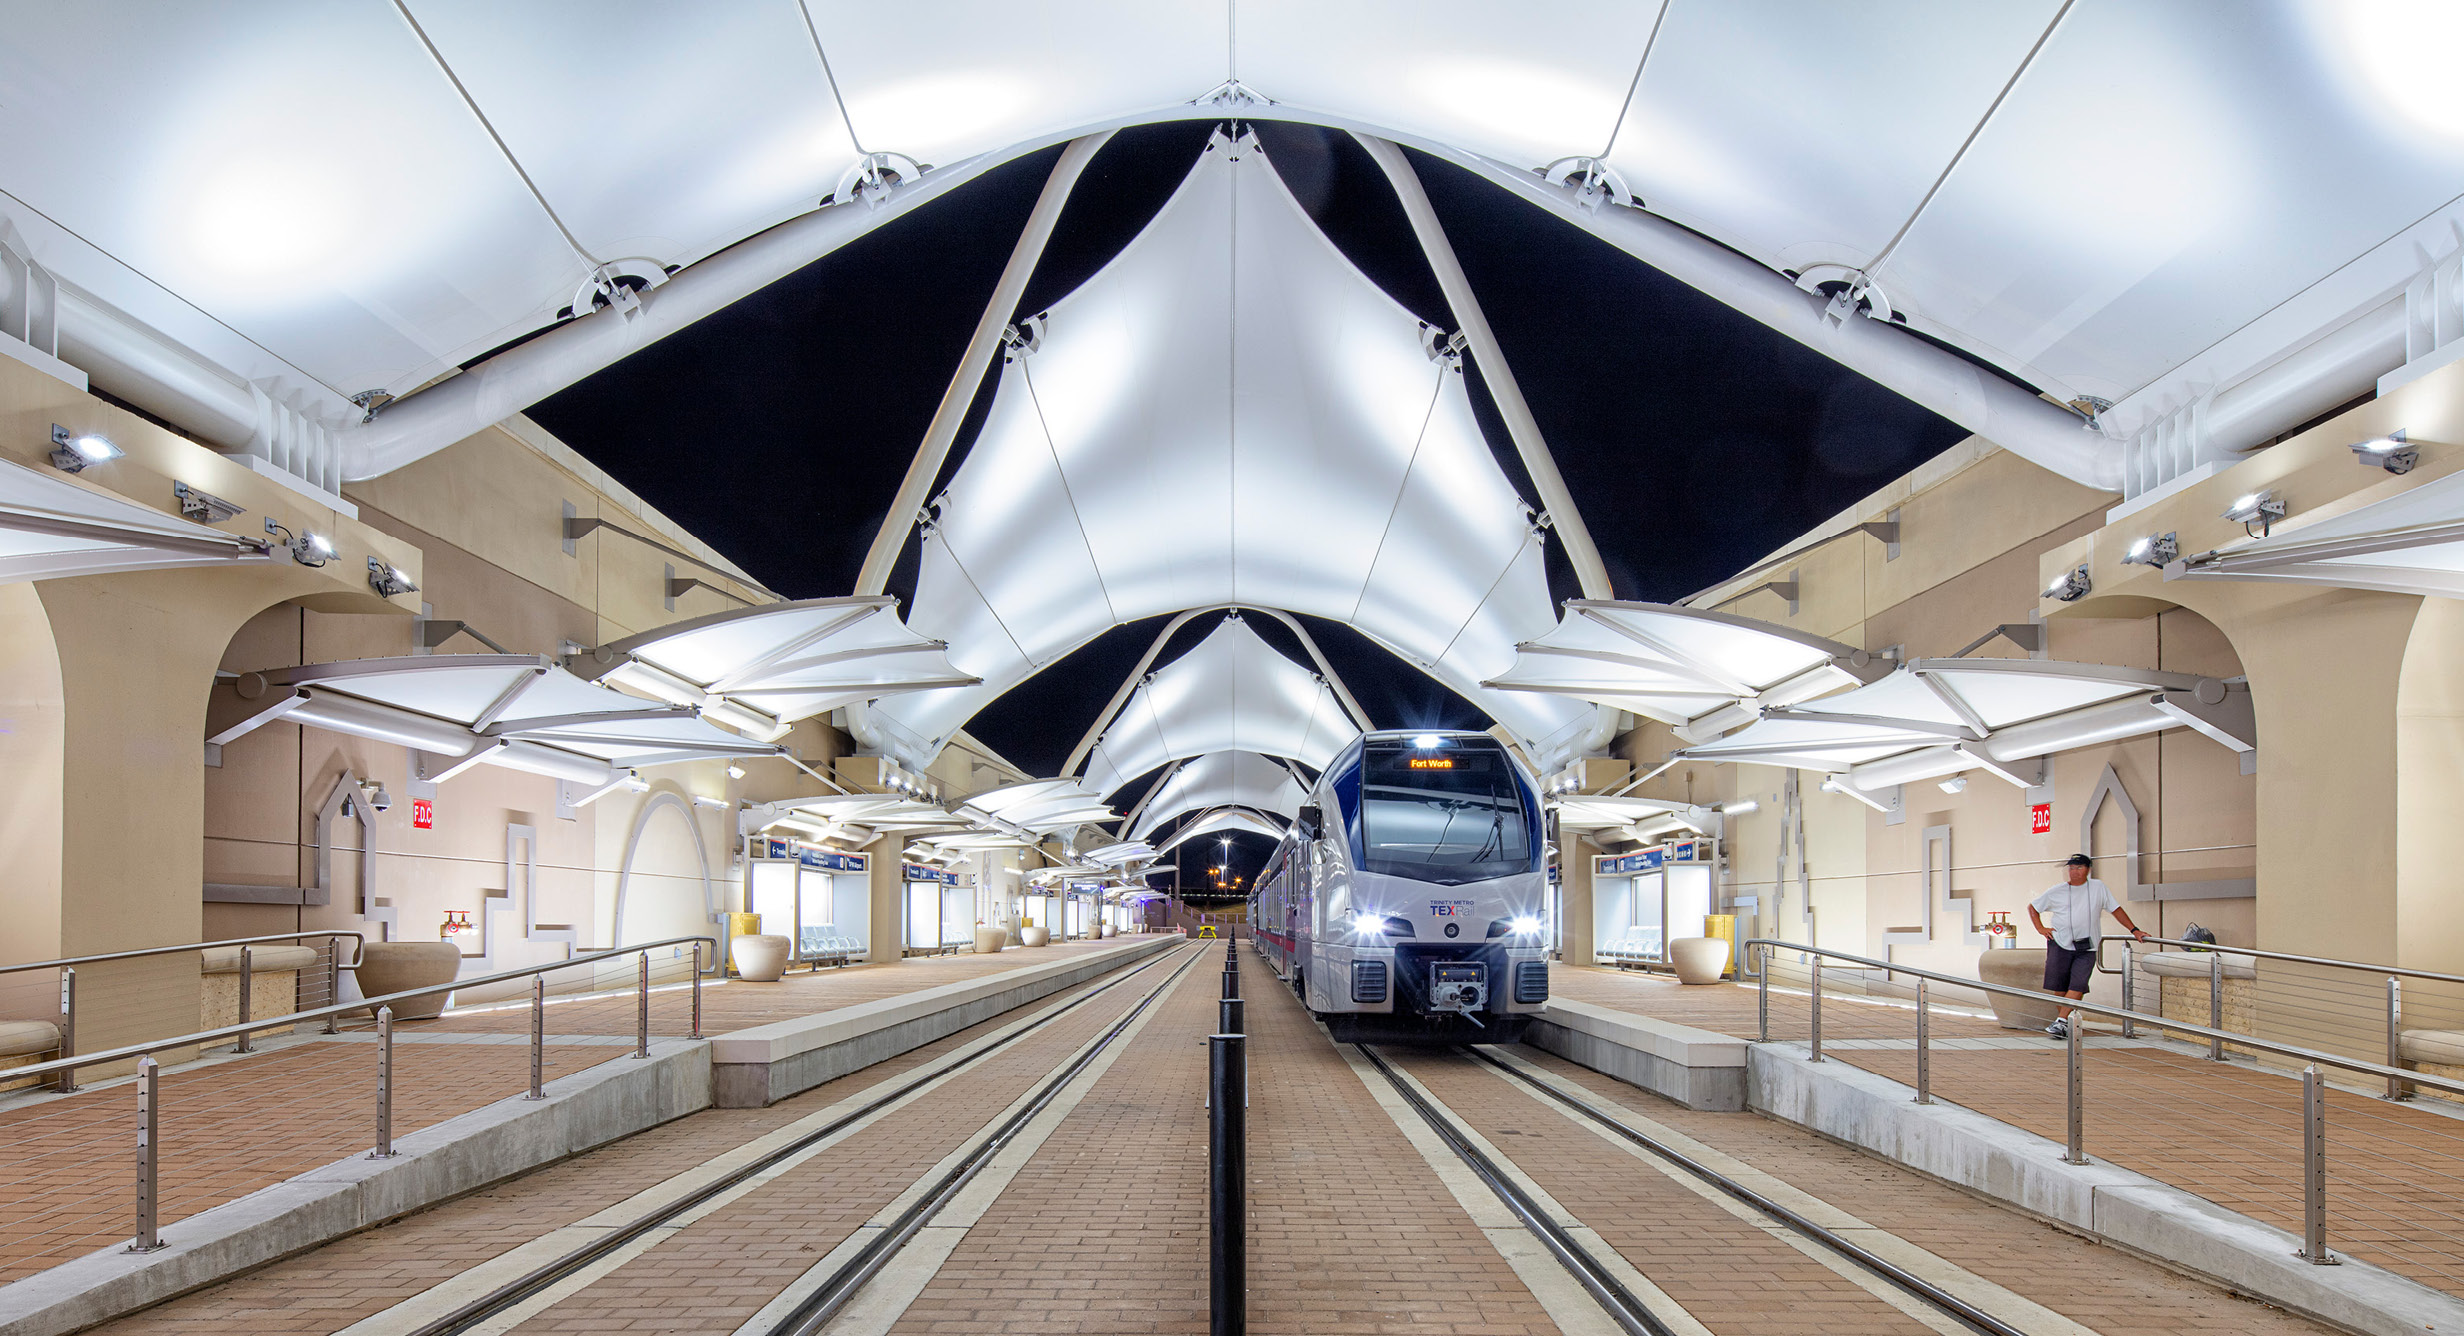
<point>2071,587</point>
<point>734,771</point>
<point>1954,784</point>
<point>71,451</point>
<point>2156,549</point>
<point>2391,452</point>
<point>2255,512</point>
<point>387,580</point>
<point>308,549</point>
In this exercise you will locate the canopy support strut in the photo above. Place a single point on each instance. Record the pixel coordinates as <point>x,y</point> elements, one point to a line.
<point>1589,571</point>
<point>960,396</point>
<point>1103,717</point>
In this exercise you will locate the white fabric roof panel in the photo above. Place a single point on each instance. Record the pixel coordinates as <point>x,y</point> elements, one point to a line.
<point>2410,543</point>
<point>1993,693</point>
<point>1229,352</point>
<point>1223,779</point>
<point>227,176</point>
<point>1234,819</point>
<point>794,660</point>
<point>1667,662</point>
<point>1230,692</point>
<point>525,698</point>
<point>52,528</point>
<point>1041,804</point>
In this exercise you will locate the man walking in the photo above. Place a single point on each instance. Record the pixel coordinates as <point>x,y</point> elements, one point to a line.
<point>2069,915</point>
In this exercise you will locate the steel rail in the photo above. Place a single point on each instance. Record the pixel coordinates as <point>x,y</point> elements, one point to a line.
<point>1958,1309</point>
<point>2203,948</point>
<point>359,939</point>
<point>537,1281</point>
<point>1594,1276</point>
<point>824,1303</point>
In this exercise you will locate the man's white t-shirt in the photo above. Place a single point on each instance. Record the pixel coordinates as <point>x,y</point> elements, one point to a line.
<point>2075,912</point>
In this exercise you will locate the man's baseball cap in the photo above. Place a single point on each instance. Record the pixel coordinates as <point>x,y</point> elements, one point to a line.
<point>2080,860</point>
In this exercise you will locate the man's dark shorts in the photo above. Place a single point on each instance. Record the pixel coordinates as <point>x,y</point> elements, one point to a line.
<point>2067,971</point>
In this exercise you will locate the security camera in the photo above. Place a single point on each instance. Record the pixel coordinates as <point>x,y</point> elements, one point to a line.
<point>378,798</point>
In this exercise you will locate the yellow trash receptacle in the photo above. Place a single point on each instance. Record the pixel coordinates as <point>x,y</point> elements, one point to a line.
<point>1724,927</point>
<point>739,925</point>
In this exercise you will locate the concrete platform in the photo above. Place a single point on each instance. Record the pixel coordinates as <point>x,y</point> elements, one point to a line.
<point>220,1220</point>
<point>1700,1069</point>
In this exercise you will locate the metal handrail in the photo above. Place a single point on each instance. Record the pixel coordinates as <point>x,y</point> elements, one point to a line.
<point>205,1038</point>
<point>358,938</point>
<point>2397,970</point>
<point>2313,1086</point>
<point>2293,1051</point>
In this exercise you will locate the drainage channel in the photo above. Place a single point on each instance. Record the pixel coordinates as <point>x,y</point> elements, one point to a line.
<point>1943,1301</point>
<point>530,1285</point>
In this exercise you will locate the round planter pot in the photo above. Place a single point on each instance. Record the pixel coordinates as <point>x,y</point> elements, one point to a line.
<point>989,941</point>
<point>1031,935</point>
<point>2017,967</point>
<point>760,957</point>
<point>395,967</point>
<point>1699,959</point>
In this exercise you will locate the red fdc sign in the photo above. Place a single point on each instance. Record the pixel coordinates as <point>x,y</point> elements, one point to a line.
<point>423,814</point>
<point>2040,818</point>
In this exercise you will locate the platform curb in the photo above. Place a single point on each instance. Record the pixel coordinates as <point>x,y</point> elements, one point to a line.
<point>468,1151</point>
<point>2128,1209</point>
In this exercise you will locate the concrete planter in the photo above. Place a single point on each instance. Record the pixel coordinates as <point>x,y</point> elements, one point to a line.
<point>2017,967</point>
<point>760,957</point>
<point>989,941</point>
<point>1031,935</point>
<point>1699,959</point>
<point>394,967</point>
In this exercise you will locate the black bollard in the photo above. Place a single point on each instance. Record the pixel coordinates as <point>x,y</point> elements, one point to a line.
<point>1231,983</point>
<point>1231,1017</point>
<point>1227,1185</point>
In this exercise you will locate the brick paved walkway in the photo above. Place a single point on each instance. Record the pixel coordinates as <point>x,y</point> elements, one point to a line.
<point>68,1187</point>
<point>2229,1132</point>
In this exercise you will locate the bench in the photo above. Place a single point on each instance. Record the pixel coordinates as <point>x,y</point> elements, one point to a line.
<point>826,945</point>
<point>25,1043</point>
<point>273,988</point>
<point>2182,982</point>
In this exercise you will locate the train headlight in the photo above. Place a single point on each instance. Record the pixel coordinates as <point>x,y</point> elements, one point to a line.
<point>1525,925</point>
<point>1369,925</point>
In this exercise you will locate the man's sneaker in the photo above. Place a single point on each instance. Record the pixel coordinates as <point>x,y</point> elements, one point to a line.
<point>2060,1029</point>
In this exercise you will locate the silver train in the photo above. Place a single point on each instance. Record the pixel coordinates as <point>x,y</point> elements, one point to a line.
<point>1407,901</point>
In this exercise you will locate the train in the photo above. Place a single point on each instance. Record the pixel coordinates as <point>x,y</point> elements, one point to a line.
<point>1408,900</point>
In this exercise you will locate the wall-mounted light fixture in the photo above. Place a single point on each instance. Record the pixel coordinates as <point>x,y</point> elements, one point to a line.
<point>72,451</point>
<point>385,580</point>
<point>308,549</point>
<point>1954,784</point>
<point>734,771</point>
<point>2156,549</point>
<point>2391,452</point>
<point>2071,587</point>
<point>2256,512</point>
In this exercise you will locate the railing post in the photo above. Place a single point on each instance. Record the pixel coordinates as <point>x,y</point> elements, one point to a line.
<point>2395,1036</point>
<point>149,1111</point>
<point>1924,1047</point>
<point>1762,1001</point>
<point>1813,1040</point>
<point>333,984</point>
<point>2314,1169</point>
<point>384,1085</point>
<point>2075,1149</point>
<point>641,1028</point>
<point>67,1084</point>
<point>1227,1195</point>
<point>538,1036</point>
<point>697,990</point>
<point>248,975</point>
<point>2215,1004</point>
<point>2130,992</point>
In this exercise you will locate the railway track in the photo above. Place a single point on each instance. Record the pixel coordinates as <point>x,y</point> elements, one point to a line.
<point>500,1305</point>
<point>1609,1279</point>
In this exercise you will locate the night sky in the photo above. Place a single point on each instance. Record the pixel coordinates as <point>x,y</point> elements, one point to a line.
<point>1695,439</point>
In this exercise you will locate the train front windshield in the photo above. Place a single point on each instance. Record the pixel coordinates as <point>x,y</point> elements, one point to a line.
<point>1447,815</point>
